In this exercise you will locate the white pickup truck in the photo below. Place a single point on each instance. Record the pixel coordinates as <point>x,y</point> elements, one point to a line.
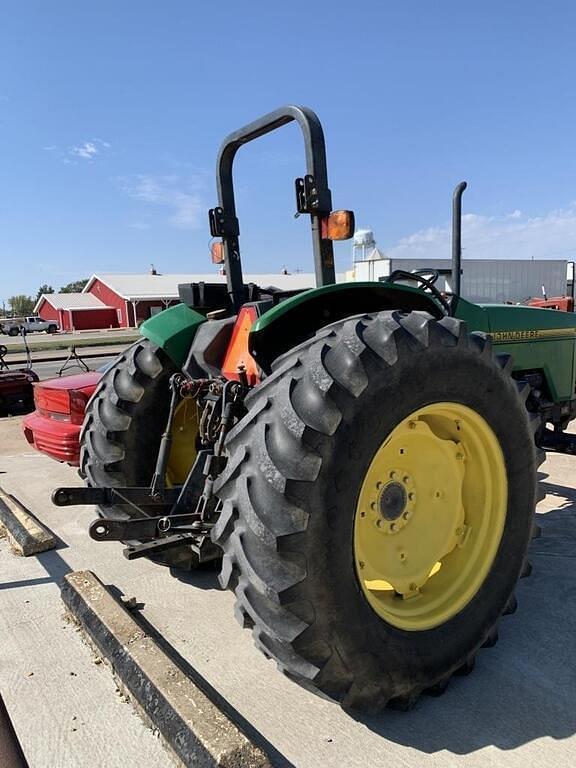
<point>13,326</point>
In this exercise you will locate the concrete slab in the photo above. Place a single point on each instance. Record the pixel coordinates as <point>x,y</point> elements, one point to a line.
<point>65,707</point>
<point>518,709</point>
<point>12,755</point>
<point>12,440</point>
<point>199,732</point>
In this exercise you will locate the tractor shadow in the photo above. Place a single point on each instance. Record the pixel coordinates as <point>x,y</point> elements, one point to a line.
<point>525,687</point>
<point>205,576</point>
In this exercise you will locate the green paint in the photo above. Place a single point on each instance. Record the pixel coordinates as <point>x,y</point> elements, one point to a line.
<point>474,314</point>
<point>537,339</point>
<point>513,317</point>
<point>173,330</point>
<point>284,307</point>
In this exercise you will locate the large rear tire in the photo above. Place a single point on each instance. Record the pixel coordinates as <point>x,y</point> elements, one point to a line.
<point>294,500</point>
<point>122,429</point>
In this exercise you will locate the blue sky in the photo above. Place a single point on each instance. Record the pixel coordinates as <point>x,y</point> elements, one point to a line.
<point>111,114</point>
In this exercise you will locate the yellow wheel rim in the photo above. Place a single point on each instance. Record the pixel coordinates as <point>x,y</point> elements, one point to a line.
<point>183,451</point>
<point>430,516</point>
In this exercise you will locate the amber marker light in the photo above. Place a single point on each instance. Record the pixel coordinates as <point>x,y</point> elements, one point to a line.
<point>339,225</point>
<point>217,252</point>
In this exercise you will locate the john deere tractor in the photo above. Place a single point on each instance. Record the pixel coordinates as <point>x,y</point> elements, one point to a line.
<point>362,456</point>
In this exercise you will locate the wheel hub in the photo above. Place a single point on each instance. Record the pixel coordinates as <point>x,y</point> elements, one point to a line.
<point>430,515</point>
<point>393,500</point>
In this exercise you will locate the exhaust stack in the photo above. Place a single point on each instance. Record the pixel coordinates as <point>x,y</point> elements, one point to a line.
<point>457,236</point>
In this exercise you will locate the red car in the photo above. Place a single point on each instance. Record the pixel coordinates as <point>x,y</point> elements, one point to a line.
<point>54,427</point>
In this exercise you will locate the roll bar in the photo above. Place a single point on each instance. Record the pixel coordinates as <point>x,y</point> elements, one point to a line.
<point>312,194</point>
<point>457,236</point>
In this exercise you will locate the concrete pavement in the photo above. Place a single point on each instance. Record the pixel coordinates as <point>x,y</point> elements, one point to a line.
<point>50,369</point>
<point>517,709</point>
<point>53,362</point>
<point>78,337</point>
<point>19,358</point>
<point>12,441</point>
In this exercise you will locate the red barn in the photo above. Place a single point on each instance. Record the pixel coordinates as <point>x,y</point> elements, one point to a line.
<point>76,311</point>
<point>138,296</point>
<point>126,300</point>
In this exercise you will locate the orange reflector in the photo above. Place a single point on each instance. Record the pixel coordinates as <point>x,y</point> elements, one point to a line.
<point>217,252</point>
<point>237,354</point>
<point>339,225</point>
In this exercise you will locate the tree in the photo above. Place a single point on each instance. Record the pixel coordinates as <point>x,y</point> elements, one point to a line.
<point>75,287</point>
<point>21,304</point>
<point>44,289</point>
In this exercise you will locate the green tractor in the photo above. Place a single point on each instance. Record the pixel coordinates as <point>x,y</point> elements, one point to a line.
<point>361,456</point>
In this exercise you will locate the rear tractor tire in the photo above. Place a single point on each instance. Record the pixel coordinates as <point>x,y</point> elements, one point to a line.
<point>378,505</point>
<point>122,429</point>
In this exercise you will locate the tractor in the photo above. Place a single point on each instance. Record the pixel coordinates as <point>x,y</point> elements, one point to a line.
<point>362,458</point>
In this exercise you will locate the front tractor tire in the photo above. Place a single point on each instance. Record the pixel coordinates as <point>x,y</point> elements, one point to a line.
<point>377,506</point>
<point>122,430</point>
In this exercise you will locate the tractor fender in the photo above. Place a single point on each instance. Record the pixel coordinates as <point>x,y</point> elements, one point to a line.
<point>173,330</point>
<point>298,318</point>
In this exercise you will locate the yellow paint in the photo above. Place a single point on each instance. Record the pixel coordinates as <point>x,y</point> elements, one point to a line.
<point>184,433</point>
<point>419,570</point>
